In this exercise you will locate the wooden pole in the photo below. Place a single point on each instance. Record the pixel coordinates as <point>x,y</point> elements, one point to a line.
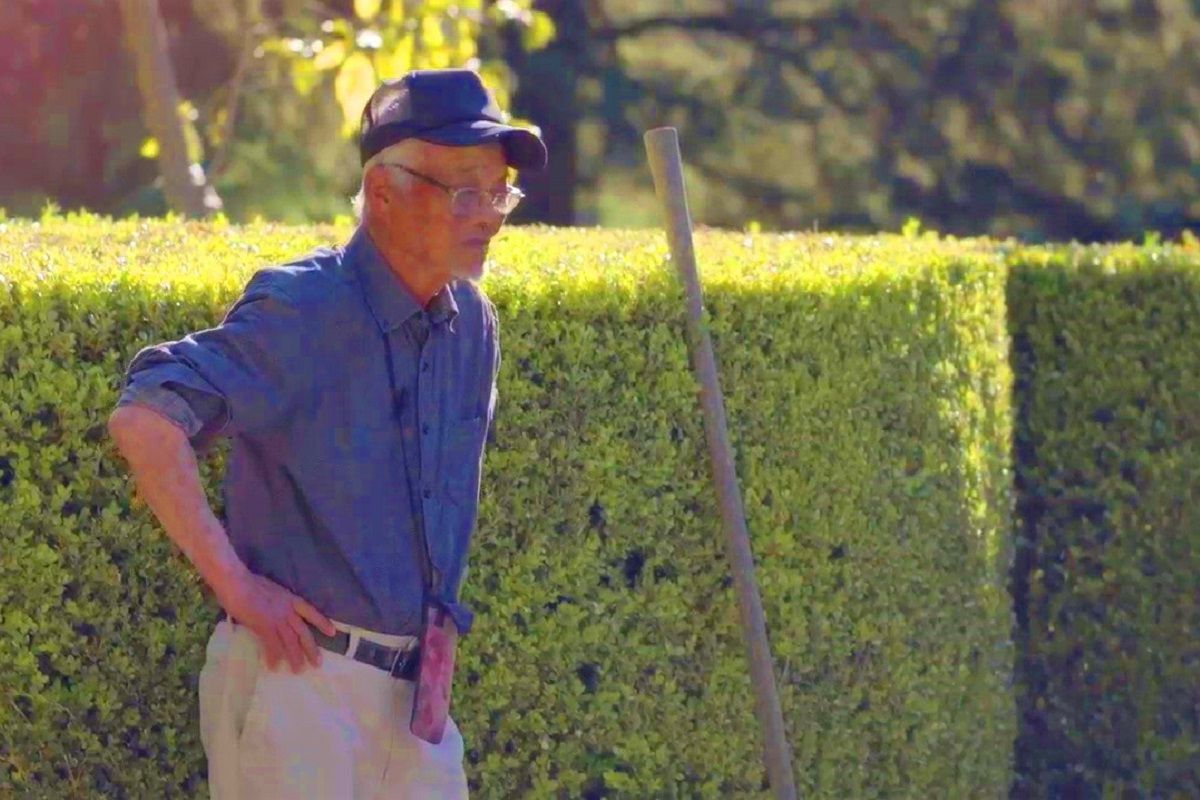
<point>662,150</point>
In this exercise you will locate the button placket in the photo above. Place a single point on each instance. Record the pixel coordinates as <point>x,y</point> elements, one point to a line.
<point>420,409</point>
<point>430,390</point>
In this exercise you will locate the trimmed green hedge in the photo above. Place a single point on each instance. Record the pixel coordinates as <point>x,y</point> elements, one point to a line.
<point>867,386</point>
<point>867,392</point>
<point>1107,572</point>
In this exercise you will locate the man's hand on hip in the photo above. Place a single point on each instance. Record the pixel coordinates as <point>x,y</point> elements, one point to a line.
<point>277,617</point>
<point>164,466</point>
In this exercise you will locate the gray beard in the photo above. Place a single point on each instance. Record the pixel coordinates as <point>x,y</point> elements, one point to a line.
<point>468,274</point>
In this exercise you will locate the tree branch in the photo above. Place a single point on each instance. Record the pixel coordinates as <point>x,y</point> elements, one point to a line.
<point>742,25</point>
<point>254,26</point>
<point>747,186</point>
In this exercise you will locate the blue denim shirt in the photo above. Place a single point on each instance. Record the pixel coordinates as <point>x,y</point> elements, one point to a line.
<point>334,468</point>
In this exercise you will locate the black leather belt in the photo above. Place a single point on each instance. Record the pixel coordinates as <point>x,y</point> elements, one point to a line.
<point>398,662</point>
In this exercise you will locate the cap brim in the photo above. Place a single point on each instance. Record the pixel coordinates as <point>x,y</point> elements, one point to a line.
<point>523,148</point>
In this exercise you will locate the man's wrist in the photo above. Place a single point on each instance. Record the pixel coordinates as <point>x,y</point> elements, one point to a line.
<point>224,573</point>
<point>227,580</point>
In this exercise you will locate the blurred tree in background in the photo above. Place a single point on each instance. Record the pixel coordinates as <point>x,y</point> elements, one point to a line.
<point>184,181</point>
<point>271,90</point>
<point>1036,118</point>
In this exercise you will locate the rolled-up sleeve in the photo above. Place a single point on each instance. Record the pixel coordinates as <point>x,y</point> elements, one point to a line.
<point>191,411</point>
<point>243,376</point>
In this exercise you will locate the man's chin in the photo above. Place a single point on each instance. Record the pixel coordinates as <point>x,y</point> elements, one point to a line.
<point>471,271</point>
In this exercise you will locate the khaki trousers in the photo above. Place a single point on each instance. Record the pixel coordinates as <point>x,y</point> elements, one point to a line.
<point>335,731</point>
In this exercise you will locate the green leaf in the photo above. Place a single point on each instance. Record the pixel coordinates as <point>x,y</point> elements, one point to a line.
<point>353,86</point>
<point>330,56</point>
<point>433,38</point>
<point>392,62</point>
<point>191,136</point>
<point>367,9</point>
<point>539,32</point>
<point>305,76</point>
<point>466,40</point>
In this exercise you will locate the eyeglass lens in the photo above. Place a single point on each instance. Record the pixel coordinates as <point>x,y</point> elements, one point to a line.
<point>467,201</point>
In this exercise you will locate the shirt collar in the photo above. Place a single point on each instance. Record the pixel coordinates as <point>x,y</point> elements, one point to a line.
<point>390,301</point>
<point>443,308</point>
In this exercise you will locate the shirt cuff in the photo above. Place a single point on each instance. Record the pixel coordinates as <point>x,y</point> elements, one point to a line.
<point>165,402</point>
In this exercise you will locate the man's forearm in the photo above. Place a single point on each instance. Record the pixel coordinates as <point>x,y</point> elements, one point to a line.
<point>168,478</point>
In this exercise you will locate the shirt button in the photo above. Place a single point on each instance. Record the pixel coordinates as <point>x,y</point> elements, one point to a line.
<point>427,494</point>
<point>425,429</point>
<point>425,367</point>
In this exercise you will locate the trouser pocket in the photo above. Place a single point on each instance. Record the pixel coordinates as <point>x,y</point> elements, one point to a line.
<point>227,688</point>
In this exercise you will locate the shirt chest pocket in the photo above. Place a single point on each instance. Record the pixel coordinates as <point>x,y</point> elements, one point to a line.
<point>462,460</point>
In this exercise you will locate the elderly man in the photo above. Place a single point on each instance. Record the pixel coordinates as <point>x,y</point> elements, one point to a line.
<point>358,385</point>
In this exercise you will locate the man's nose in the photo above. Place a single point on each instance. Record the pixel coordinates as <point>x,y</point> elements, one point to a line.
<point>487,218</point>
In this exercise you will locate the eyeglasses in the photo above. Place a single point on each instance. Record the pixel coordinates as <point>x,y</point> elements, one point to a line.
<point>468,200</point>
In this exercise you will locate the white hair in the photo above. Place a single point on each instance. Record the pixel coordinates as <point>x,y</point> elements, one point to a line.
<point>400,149</point>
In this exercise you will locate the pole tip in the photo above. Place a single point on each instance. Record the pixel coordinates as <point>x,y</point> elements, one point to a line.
<point>665,133</point>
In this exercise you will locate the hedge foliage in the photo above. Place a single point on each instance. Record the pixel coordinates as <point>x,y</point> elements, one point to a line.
<point>867,385</point>
<point>1107,572</point>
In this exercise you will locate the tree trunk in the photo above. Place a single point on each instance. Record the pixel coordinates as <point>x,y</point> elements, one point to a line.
<point>184,184</point>
<point>546,94</point>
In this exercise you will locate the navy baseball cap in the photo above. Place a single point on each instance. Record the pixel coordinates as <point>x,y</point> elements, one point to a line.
<point>444,106</point>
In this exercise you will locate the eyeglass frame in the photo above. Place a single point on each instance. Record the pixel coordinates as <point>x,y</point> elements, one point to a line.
<point>454,192</point>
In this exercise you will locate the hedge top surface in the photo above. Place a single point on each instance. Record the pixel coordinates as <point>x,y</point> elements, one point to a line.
<point>95,252</point>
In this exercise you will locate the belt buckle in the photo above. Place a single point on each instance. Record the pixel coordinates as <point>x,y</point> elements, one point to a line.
<point>396,656</point>
<point>400,660</point>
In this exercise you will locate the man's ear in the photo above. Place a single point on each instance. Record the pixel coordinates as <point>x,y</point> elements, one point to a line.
<point>378,188</point>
